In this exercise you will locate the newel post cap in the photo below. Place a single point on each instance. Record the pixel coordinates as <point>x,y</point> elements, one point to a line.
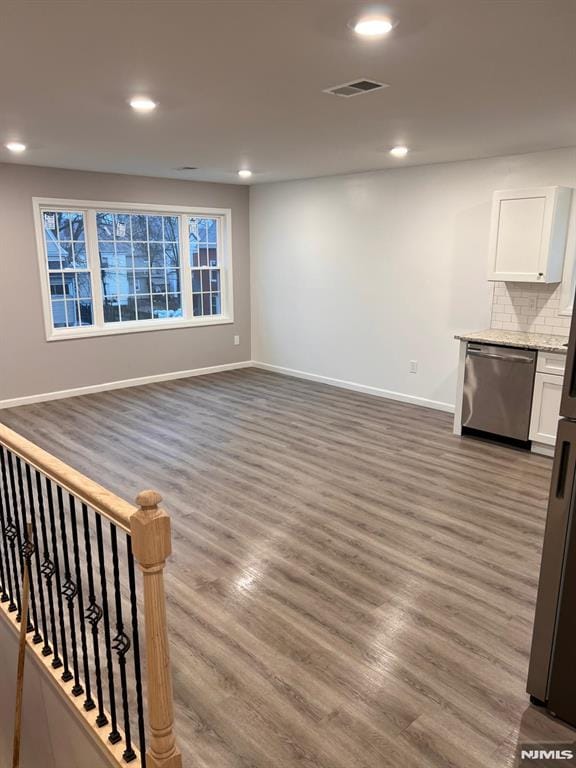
<point>150,530</point>
<point>148,499</point>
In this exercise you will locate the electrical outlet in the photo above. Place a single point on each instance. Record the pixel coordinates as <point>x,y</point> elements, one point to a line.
<point>236,340</point>
<point>413,366</point>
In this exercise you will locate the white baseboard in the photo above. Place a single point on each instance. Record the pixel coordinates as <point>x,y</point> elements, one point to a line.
<point>542,449</point>
<point>377,391</point>
<point>109,385</point>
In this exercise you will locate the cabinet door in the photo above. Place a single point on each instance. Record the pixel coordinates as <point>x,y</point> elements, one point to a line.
<point>528,234</point>
<point>545,408</point>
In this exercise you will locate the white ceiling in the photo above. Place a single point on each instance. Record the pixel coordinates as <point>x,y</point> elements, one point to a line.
<point>239,82</point>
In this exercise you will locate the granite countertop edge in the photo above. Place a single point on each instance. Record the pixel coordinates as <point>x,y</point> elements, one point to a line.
<point>521,339</point>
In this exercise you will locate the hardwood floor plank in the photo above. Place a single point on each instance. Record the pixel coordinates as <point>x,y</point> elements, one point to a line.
<point>352,586</point>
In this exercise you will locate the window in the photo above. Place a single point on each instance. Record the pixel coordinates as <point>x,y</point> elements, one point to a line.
<point>115,268</point>
<point>206,293</point>
<point>140,266</point>
<point>68,274</point>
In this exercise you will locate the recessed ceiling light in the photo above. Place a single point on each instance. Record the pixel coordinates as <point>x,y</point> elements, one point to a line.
<point>245,173</point>
<point>399,151</point>
<point>373,27</point>
<point>15,146</point>
<point>143,104</point>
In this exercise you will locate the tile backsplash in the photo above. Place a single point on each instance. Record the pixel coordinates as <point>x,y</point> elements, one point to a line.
<point>529,307</point>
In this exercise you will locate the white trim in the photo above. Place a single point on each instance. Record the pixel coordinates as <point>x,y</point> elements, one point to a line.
<point>364,388</point>
<point>138,326</point>
<point>63,203</point>
<point>569,275</point>
<point>542,449</point>
<point>226,265</point>
<point>88,208</point>
<point>457,427</point>
<point>142,380</point>
<point>93,261</point>
<point>185,268</point>
<point>109,385</point>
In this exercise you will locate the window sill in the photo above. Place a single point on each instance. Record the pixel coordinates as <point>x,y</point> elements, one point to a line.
<point>117,329</point>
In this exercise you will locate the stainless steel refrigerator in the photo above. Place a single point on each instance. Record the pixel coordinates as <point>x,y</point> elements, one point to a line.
<point>552,671</point>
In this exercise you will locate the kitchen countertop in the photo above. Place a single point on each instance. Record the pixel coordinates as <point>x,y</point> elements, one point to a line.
<point>517,339</point>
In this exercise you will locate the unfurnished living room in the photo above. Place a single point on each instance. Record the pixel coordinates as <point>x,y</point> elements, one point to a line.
<point>287,383</point>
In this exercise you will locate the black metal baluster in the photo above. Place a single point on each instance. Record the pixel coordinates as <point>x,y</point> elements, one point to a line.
<point>6,575</point>
<point>25,551</point>
<point>3,544</point>
<point>47,569</point>
<point>14,461</point>
<point>88,702</point>
<point>114,736</point>
<point>26,548</point>
<point>11,532</point>
<point>46,650</point>
<point>4,597</point>
<point>121,644</point>
<point>136,653</point>
<point>70,591</point>
<point>53,520</point>
<point>93,615</point>
<point>66,674</point>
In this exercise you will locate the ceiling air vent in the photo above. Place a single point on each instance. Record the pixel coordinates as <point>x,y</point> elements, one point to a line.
<point>187,168</point>
<point>355,88</point>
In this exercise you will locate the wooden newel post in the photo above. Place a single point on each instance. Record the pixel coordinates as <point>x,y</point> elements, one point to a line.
<point>151,544</point>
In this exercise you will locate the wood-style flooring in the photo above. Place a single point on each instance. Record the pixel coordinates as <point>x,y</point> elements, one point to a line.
<point>351,587</point>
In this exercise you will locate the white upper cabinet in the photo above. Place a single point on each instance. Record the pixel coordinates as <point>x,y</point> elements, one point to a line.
<point>528,234</point>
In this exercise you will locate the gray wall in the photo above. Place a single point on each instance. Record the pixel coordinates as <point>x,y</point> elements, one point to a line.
<point>28,363</point>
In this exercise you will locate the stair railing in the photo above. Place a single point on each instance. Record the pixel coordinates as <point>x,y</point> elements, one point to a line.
<point>84,618</point>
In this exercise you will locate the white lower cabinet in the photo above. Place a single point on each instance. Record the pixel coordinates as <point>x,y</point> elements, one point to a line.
<point>545,408</point>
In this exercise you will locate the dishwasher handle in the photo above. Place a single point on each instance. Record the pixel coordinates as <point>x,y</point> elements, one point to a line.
<point>494,356</point>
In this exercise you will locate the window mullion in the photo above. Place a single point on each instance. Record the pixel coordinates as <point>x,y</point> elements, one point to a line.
<point>93,257</point>
<point>185,266</point>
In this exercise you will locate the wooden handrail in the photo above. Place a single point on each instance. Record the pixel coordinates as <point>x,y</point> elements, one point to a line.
<point>94,495</point>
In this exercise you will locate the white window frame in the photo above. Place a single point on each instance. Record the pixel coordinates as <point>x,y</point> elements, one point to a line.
<point>99,328</point>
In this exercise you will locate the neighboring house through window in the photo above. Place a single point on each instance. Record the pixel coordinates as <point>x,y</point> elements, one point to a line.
<point>115,268</point>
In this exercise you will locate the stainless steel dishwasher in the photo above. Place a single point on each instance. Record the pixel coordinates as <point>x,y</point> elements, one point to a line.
<point>498,384</point>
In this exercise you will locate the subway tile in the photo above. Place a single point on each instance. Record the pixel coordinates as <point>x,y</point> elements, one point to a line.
<point>513,308</point>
